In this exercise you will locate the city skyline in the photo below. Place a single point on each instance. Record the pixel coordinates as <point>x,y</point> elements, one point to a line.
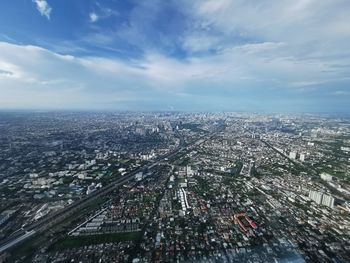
<point>174,55</point>
<point>173,187</point>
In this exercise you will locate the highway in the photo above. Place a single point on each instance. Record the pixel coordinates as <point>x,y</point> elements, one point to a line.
<point>57,217</point>
<point>17,241</point>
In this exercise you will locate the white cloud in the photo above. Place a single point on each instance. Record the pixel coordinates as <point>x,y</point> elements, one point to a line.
<point>43,7</point>
<point>42,78</point>
<point>106,12</point>
<point>93,17</point>
<point>200,42</point>
<point>305,28</point>
<point>229,45</point>
<point>341,93</point>
<point>294,43</point>
<point>302,84</point>
<point>102,13</point>
<point>47,79</point>
<point>298,21</point>
<point>261,46</point>
<point>258,48</point>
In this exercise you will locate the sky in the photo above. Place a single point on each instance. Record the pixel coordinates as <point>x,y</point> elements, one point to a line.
<point>198,55</point>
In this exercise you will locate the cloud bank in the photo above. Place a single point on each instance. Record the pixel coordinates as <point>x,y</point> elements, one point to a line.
<point>202,55</point>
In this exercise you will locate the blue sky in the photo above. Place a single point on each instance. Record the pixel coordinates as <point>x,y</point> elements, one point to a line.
<point>202,55</point>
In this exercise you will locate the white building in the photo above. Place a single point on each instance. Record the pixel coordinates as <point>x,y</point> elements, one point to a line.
<point>322,199</point>
<point>328,200</point>
<point>326,177</point>
<point>315,196</point>
<point>293,155</point>
<point>138,176</point>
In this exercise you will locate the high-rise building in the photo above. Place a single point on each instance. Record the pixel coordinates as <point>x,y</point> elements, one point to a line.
<point>315,196</point>
<point>302,157</point>
<point>292,155</point>
<point>321,199</point>
<point>328,200</point>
